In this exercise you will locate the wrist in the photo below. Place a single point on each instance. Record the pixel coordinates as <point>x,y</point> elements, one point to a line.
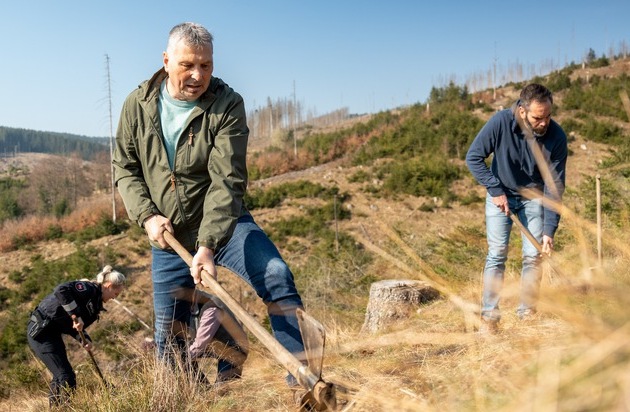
<point>144,222</point>
<point>206,249</point>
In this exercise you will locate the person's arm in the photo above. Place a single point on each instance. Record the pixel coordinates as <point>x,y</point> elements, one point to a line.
<point>481,148</point>
<point>208,325</point>
<point>89,345</point>
<point>128,173</point>
<point>71,296</point>
<point>228,175</point>
<point>66,295</point>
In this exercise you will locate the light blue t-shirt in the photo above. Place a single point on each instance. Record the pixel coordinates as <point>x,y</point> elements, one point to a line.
<point>174,115</point>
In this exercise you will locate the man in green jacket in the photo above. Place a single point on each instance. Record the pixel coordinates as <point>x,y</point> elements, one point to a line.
<point>180,167</point>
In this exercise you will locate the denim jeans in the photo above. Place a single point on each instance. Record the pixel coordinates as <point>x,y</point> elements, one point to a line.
<point>251,255</point>
<point>498,227</point>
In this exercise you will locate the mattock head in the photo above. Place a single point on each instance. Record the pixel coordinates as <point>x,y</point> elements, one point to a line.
<point>321,395</point>
<point>321,398</point>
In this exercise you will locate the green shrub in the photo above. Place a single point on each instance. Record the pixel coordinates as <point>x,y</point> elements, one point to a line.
<point>359,176</point>
<point>430,176</point>
<point>53,232</point>
<point>470,198</point>
<point>558,81</point>
<point>61,208</point>
<point>447,132</point>
<point>13,342</point>
<point>272,197</point>
<point>9,206</point>
<point>5,297</point>
<point>597,97</point>
<point>613,203</point>
<point>104,227</point>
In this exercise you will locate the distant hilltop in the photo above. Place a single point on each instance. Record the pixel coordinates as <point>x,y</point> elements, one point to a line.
<point>14,141</point>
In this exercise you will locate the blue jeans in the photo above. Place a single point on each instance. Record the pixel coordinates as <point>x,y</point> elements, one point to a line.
<point>251,255</point>
<point>498,227</point>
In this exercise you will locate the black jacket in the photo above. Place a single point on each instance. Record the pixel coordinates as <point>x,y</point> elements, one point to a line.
<point>81,298</point>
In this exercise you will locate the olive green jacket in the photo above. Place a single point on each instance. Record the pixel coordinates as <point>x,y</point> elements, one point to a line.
<point>203,194</point>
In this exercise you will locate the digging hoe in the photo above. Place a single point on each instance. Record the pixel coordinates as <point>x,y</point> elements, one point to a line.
<point>98,370</point>
<point>313,334</point>
<point>526,232</point>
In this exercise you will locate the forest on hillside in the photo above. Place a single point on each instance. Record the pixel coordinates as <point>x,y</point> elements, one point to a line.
<point>13,141</point>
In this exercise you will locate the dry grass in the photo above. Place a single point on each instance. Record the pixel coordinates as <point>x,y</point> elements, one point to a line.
<point>573,356</point>
<point>33,228</point>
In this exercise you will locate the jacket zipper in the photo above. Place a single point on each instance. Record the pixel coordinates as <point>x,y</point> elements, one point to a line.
<point>190,136</point>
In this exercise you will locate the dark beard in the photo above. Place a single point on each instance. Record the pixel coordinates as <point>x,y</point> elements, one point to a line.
<point>540,132</point>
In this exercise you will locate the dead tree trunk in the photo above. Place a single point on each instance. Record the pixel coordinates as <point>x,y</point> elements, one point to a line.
<point>395,299</point>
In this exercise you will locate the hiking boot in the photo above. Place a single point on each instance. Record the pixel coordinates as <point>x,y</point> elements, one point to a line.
<point>527,315</point>
<point>488,327</point>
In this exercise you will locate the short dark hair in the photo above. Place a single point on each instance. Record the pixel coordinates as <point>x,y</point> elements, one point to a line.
<point>535,93</point>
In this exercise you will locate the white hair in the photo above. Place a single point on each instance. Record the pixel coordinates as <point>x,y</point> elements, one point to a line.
<point>192,34</point>
<point>108,274</point>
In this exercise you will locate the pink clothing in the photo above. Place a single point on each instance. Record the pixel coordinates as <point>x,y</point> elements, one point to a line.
<point>209,322</point>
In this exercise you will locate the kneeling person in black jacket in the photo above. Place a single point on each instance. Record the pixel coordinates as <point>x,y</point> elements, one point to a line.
<point>72,307</point>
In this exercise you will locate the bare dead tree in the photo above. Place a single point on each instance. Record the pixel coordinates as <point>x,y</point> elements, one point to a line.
<point>111,138</point>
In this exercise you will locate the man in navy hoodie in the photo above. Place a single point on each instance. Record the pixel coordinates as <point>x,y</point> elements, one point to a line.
<point>526,178</point>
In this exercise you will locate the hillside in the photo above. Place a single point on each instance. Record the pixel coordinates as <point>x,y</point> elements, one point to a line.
<point>14,141</point>
<point>573,356</point>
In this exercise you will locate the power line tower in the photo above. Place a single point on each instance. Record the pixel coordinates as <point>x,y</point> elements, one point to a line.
<point>111,138</point>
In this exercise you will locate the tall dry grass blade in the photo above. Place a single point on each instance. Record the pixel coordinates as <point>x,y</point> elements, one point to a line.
<point>465,306</point>
<point>609,345</point>
<point>576,221</point>
<point>548,381</point>
<point>407,337</point>
<point>582,364</point>
<point>383,254</point>
<point>625,101</point>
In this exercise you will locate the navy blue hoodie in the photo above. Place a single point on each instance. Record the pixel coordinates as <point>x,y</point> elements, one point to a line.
<point>513,164</point>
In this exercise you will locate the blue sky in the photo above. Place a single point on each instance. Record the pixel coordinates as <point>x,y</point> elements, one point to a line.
<point>364,55</point>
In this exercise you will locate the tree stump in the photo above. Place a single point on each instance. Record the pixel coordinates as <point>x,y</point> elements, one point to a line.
<point>391,300</point>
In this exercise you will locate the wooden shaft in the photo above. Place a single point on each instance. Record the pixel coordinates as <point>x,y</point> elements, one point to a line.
<point>304,376</point>
<point>98,370</point>
<point>526,232</point>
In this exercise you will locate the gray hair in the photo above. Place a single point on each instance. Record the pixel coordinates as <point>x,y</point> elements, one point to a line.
<point>108,274</point>
<point>192,34</point>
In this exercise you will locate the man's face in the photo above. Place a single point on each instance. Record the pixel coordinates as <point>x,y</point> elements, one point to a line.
<point>537,117</point>
<point>189,70</point>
